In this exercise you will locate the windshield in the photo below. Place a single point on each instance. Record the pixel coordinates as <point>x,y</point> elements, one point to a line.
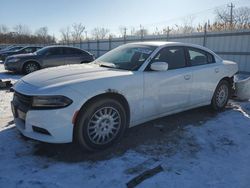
<point>127,57</point>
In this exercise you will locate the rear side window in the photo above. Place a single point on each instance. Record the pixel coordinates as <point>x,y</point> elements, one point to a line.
<point>174,56</point>
<point>199,57</point>
<point>54,51</point>
<point>73,51</point>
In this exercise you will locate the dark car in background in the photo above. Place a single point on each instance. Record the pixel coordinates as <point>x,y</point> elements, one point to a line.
<point>10,48</point>
<point>50,56</point>
<point>25,50</point>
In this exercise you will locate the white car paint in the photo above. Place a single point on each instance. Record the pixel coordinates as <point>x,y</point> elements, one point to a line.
<point>149,94</point>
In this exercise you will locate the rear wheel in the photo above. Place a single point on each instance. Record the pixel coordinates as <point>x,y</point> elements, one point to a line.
<point>30,67</point>
<point>101,124</point>
<point>221,95</point>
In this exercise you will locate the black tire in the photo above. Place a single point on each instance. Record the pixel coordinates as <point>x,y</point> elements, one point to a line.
<point>221,95</point>
<point>30,67</point>
<point>90,127</point>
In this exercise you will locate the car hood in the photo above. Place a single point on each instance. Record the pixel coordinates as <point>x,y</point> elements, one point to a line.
<point>70,74</point>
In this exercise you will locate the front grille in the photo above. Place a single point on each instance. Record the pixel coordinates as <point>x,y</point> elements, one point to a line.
<point>23,102</point>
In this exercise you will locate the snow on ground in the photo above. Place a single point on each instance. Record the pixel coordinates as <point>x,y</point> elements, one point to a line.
<point>204,149</point>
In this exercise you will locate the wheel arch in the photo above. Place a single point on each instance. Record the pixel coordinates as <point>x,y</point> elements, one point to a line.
<point>230,80</point>
<point>109,94</point>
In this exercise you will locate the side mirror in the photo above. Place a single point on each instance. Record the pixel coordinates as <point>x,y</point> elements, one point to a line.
<point>159,66</point>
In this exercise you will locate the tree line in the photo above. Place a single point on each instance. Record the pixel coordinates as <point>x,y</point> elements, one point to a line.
<point>237,18</point>
<point>21,34</point>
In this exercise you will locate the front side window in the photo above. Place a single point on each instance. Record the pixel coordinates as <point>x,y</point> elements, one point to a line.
<point>29,50</point>
<point>199,57</point>
<point>127,57</point>
<point>174,56</point>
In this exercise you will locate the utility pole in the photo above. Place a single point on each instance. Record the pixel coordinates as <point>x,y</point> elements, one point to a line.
<point>141,31</point>
<point>231,6</point>
<point>125,31</point>
<point>124,35</point>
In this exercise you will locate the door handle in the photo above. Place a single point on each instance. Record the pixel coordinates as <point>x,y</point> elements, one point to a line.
<point>187,77</point>
<point>216,70</point>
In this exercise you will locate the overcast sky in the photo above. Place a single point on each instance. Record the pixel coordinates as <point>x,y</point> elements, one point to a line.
<point>56,14</point>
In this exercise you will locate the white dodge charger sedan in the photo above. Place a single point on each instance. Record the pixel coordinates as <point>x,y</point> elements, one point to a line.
<point>95,103</point>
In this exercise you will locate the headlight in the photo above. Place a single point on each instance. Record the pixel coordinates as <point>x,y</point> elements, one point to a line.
<point>51,101</point>
<point>13,60</point>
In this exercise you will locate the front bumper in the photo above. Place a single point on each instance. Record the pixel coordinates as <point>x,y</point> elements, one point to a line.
<point>11,66</point>
<point>52,126</point>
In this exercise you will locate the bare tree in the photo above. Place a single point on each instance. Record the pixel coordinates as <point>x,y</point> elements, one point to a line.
<point>156,31</point>
<point>4,29</point>
<point>234,18</point>
<point>188,25</point>
<point>123,31</point>
<point>242,16</point>
<point>42,33</point>
<point>132,31</point>
<point>222,16</point>
<point>166,30</point>
<point>65,34</point>
<point>77,31</point>
<point>100,33</point>
<point>141,32</point>
<point>22,29</point>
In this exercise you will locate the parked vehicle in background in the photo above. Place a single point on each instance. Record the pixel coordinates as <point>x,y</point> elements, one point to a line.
<point>6,48</point>
<point>94,104</point>
<point>11,48</point>
<point>25,50</point>
<point>50,56</point>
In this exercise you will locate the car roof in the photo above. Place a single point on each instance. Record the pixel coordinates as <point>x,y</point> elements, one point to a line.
<point>154,43</point>
<point>166,43</point>
<point>61,46</point>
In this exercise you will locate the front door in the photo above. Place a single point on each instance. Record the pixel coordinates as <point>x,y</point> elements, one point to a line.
<point>167,90</point>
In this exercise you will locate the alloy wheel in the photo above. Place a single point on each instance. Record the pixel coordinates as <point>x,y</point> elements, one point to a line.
<point>104,125</point>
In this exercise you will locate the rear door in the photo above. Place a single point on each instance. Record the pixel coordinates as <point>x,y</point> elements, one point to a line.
<point>72,56</point>
<point>206,75</point>
<point>53,57</point>
<point>169,90</point>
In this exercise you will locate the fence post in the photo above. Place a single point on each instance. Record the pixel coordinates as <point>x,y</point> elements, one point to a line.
<point>205,35</point>
<point>124,39</point>
<point>98,47</point>
<point>110,37</point>
<point>88,45</point>
<point>168,34</point>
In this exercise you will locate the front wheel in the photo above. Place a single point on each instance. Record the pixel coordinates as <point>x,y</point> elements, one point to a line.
<point>30,67</point>
<point>221,95</point>
<point>101,124</point>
